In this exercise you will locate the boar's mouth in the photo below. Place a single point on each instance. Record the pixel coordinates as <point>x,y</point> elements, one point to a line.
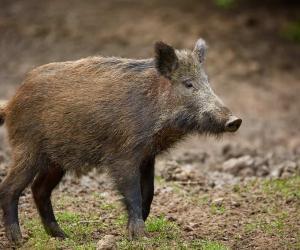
<point>210,124</point>
<point>207,124</point>
<point>216,124</point>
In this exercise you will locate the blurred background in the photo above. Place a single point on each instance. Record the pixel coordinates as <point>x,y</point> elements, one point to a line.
<point>253,65</point>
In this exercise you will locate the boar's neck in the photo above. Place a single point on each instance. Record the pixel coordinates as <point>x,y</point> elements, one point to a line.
<point>170,126</point>
<point>166,138</point>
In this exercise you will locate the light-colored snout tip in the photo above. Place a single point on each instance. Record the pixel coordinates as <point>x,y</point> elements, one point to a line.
<point>233,124</point>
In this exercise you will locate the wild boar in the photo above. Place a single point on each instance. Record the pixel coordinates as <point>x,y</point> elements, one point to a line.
<point>107,112</point>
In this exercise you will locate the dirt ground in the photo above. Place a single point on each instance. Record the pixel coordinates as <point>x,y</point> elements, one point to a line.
<point>211,190</point>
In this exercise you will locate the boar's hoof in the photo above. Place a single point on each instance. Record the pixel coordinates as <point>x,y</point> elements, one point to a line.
<point>59,234</point>
<point>14,234</point>
<point>136,229</point>
<point>55,231</point>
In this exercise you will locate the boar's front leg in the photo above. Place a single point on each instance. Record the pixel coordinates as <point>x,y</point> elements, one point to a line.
<point>127,179</point>
<point>147,184</point>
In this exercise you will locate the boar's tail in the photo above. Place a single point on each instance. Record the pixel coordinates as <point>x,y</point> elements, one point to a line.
<point>2,112</point>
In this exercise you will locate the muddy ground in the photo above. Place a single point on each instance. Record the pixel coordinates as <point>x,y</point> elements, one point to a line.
<point>210,189</point>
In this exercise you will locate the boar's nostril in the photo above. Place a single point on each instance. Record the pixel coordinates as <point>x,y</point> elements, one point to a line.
<point>233,124</point>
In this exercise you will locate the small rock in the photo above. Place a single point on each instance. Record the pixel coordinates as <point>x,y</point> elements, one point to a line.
<point>171,218</point>
<point>108,242</point>
<point>218,202</point>
<point>247,172</point>
<point>165,190</point>
<point>290,166</point>
<point>263,171</point>
<point>194,225</point>
<point>236,204</point>
<point>170,170</point>
<point>286,175</point>
<point>230,151</point>
<point>290,200</point>
<point>188,229</point>
<point>260,161</point>
<point>275,173</point>
<point>185,175</point>
<point>287,169</point>
<point>235,165</point>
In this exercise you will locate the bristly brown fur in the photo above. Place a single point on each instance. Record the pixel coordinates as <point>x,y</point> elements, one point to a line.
<point>102,112</point>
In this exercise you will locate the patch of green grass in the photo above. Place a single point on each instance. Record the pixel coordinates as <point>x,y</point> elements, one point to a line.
<point>159,180</point>
<point>148,243</point>
<point>225,4</point>
<point>287,188</point>
<point>164,234</point>
<point>292,31</point>
<point>121,220</point>
<point>167,235</point>
<point>217,209</point>
<point>177,189</point>
<point>63,201</point>
<point>276,215</point>
<point>201,201</point>
<point>107,206</point>
<point>277,191</point>
<point>264,227</point>
<point>245,188</point>
<point>160,224</point>
<point>78,228</point>
<point>208,245</point>
<point>236,188</point>
<point>269,219</point>
<point>275,226</point>
<point>103,204</point>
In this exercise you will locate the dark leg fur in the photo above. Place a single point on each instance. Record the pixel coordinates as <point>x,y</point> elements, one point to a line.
<point>147,185</point>
<point>46,180</point>
<point>10,190</point>
<point>129,186</point>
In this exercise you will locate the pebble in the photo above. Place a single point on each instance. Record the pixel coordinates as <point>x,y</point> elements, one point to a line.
<point>108,242</point>
<point>235,165</point>
<point>218,202</point>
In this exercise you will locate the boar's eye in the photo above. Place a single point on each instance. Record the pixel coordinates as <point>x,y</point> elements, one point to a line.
<point>188,84</point>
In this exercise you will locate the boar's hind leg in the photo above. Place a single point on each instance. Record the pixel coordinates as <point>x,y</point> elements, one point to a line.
<point>46,180</point>
<point>127,179</point>
<point>20,175</point>
<point>147,185</point>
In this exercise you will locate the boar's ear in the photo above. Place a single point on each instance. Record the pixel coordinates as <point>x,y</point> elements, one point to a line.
<point>200,50</point>
<point>166,60</point>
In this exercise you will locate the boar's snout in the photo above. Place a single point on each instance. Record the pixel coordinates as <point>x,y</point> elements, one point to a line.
<point>233,124</point>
